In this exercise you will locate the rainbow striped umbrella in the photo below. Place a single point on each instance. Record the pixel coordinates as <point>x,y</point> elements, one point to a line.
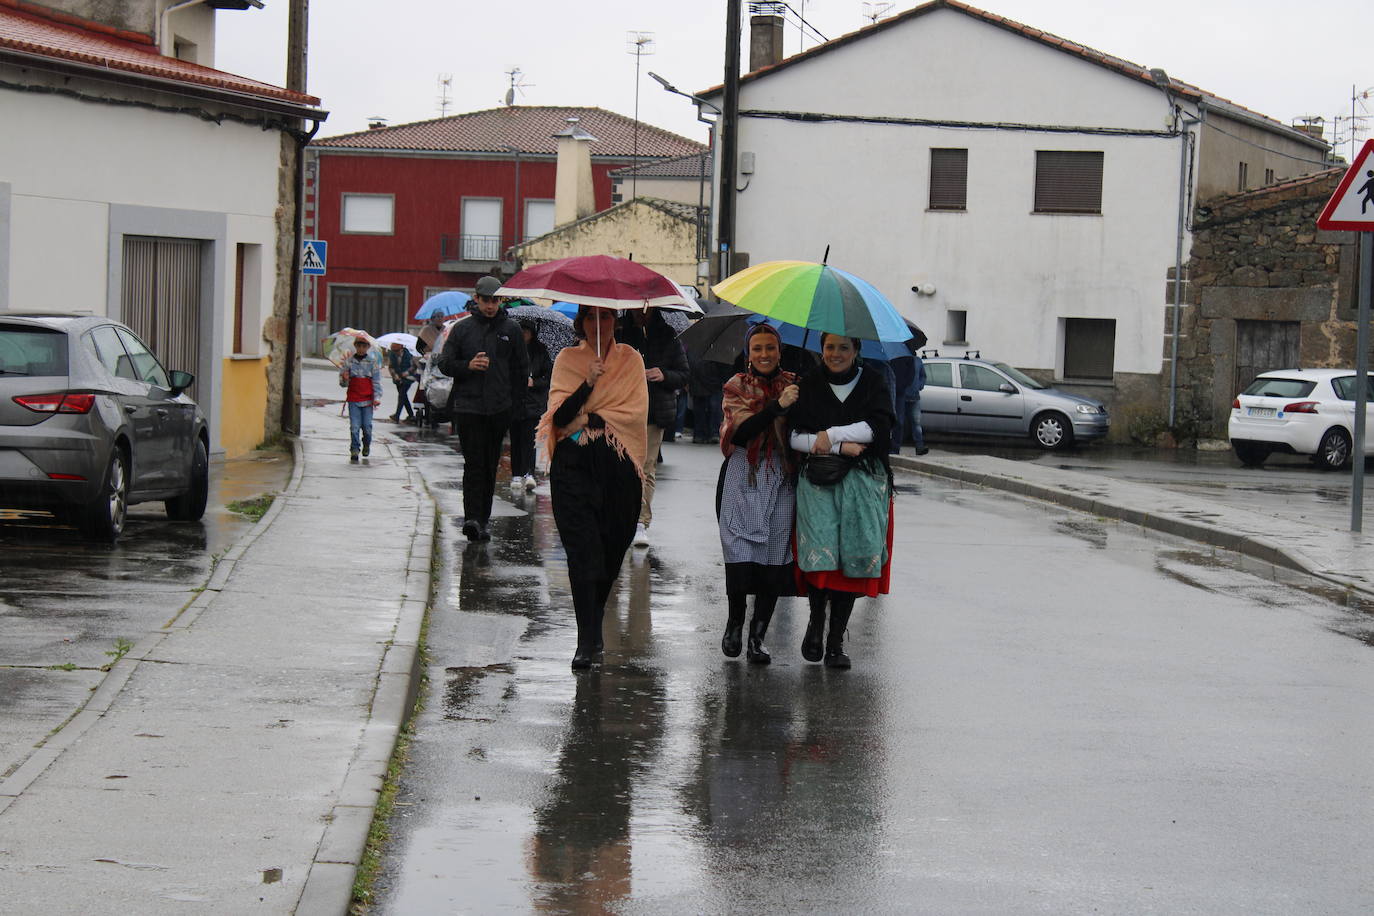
<point>815,297</point>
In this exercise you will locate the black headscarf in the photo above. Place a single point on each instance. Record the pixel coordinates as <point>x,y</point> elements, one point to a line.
<point>818,408</point>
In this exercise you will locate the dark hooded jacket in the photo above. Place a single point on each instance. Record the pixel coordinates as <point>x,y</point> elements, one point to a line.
<point>659,346</point>
<point>501,387</point>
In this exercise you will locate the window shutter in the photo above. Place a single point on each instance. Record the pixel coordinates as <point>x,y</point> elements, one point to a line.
<point>1068,181</point>
<point>948,179</point>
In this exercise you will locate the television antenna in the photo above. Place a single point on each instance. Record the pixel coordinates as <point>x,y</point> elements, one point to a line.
<point>445,84</point>
<point>875,11</point>
<point>516,85</point>
<point>639,44</point>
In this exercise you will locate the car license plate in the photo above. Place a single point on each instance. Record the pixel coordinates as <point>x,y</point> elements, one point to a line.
<point>1261,411</point>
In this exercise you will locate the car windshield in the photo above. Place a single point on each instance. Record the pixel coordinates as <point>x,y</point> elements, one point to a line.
<point>1020,377</point>
<point>26,350</point>
<point>1280,388</point>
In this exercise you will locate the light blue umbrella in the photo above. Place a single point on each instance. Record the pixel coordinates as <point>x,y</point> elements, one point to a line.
<point>449,302</point>
<point>567,308</point>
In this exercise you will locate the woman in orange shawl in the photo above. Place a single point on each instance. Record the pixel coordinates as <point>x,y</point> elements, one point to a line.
<point>594,434</point>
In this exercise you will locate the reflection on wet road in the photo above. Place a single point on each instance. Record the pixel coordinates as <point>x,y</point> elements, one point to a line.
<point>1050,713</point>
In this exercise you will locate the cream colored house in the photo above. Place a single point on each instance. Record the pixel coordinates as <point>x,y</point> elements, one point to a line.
<point>660,234</point>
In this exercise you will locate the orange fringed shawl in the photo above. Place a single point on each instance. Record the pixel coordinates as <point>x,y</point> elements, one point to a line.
<point>620,397</point>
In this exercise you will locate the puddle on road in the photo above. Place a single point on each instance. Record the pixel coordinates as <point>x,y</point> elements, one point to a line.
<point>1093,533</point>
<point>465,687</point>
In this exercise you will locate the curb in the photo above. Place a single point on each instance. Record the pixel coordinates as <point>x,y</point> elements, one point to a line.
<point>328,888</point>
<point>1257,548</point>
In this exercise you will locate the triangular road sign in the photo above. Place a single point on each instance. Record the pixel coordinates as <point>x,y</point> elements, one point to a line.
<point>1352,206</point>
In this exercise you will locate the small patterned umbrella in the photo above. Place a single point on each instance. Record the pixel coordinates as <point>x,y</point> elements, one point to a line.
<point>554,329</point>
<point>338,347</point>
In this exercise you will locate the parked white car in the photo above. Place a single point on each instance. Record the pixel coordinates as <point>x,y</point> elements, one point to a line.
<point>1302,412</point>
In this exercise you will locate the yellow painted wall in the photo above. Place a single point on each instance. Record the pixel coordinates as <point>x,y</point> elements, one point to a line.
<point>242,406</point>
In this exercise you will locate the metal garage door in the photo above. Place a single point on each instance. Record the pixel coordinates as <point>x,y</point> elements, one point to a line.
<point>377,310</point>
<point>161,299</point>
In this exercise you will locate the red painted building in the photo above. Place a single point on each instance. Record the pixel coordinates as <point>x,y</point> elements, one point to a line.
<point>417,208</point>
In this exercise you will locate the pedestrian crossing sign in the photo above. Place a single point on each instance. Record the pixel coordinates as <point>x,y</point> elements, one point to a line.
<point>1352,206</point>
<point>314,257</point>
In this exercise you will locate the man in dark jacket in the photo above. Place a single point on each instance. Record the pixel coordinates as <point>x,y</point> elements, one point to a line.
<point>665,372</point>
<point>485,356</point>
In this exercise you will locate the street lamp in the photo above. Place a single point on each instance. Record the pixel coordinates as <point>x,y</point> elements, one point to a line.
<point>702,250</point>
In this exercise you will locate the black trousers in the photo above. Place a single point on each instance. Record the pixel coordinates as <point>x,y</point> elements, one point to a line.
<point>596,496</point>
<point>480,438</point>
<point>522,446</point>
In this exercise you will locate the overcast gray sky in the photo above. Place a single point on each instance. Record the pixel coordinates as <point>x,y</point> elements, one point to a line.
<point>1282,58</point>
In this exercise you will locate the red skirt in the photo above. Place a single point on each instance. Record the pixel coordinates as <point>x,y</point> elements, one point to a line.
<point>836,581</point>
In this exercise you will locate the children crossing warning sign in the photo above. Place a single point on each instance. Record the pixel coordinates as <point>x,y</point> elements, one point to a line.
<point>314,257</point>
<point>1352,206</point>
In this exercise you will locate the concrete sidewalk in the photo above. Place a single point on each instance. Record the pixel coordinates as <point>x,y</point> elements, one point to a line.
<point>1338,556</point>
<point>232,760</point>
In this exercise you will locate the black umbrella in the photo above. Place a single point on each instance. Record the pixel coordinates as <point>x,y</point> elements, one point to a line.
<point>719,336</point>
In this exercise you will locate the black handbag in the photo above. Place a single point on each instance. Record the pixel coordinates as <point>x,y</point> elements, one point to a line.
<point>827,470</point>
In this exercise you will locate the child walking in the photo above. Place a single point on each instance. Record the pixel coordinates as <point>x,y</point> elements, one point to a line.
<point>362,376</point>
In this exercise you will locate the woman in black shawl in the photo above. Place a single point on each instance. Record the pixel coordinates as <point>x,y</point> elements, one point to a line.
<point>844,526</point>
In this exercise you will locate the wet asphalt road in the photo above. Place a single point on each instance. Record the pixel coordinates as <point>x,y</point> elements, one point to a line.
<point>1050,713</point>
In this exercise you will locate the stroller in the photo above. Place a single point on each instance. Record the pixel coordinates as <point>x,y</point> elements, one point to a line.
<point>431,400</point>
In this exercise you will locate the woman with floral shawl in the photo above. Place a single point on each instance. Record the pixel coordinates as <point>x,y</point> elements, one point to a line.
<point>594,434</point>
<point>758,497</point>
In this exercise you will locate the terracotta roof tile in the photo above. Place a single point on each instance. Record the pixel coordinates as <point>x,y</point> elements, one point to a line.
<point>690,166</point>
<point>31,33</point>
<point>530,128</point>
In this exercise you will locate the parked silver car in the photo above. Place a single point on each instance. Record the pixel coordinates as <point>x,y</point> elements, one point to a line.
<point>91,423</point>
<point>971,396</point>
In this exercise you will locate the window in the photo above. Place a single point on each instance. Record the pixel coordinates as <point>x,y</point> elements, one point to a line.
<point>1268,176</point>
<point>1243,174</point>
<point>538,218</point>
<point>948,179</point>
<point>247,297</point>
<point>980,378</point>
<point>1068,181</point>
<point>956,326</point>
<point>481,229</point>
<point>1345,388</point>
<point>111,353</point>
<point>939,375</point>
<point>32,351</point>
<point>1089,348</point>
<point>146,366</point>
<point>368,214</point>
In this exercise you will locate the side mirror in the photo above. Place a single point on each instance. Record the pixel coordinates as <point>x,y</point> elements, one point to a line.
<point>180,381</point>
<point>1007,388</point>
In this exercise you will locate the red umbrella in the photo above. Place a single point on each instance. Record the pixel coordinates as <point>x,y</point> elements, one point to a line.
<point>598,280</point>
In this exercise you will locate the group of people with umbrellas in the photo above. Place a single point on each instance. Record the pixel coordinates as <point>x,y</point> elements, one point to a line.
<point>804,499</point>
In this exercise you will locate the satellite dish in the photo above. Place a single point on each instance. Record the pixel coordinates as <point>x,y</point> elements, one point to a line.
<point>510,96</point>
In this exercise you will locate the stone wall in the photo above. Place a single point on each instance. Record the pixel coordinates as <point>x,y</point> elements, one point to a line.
<point>1259,256</point>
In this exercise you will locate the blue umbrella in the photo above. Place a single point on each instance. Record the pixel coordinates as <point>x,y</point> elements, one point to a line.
<point>567,308</point>
<point>449,302</point>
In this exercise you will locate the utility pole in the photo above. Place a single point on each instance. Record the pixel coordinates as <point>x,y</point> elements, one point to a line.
<point>296,42</point>
<point>729,143</point>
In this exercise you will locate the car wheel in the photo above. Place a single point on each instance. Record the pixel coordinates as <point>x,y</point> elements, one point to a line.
<point>1051,431</point>
<point>190,506</point>
<point>1333,452</point>
<point>1250,455</point>
<point>103,519</point>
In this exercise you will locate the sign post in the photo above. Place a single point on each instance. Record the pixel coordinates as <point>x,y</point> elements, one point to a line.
<point>1351,208</point>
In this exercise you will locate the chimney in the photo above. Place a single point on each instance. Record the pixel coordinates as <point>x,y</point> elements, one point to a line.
<point>765,35</point>
<point>573,197</point>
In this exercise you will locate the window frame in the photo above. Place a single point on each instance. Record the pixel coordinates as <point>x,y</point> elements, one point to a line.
<point>343,213</point>
<point>1069,327</point>
<point>1056,177</point>
<point>950,172</point>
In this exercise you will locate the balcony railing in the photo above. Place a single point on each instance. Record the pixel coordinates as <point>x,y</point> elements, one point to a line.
<point>470,247</point>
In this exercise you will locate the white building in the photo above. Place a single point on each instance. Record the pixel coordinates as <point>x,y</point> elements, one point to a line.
<point>1010,191</point>
<point>149,187</point>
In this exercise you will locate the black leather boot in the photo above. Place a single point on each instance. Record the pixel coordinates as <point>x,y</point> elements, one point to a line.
<point>588,632</point>
<point>732,642</point>
<point>813,643</point>
<point>758,628</point>
<point>840,609</point>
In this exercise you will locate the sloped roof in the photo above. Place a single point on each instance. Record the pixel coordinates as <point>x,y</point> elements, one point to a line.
<point>529,128</point>
<point>687,213</point>
<point>28,35</point>
<point>1124,67</point>
<point>691,166</point>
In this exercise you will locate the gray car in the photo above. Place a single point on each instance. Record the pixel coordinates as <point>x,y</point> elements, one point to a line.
<point>978,397</point>
<point>91,423</point>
